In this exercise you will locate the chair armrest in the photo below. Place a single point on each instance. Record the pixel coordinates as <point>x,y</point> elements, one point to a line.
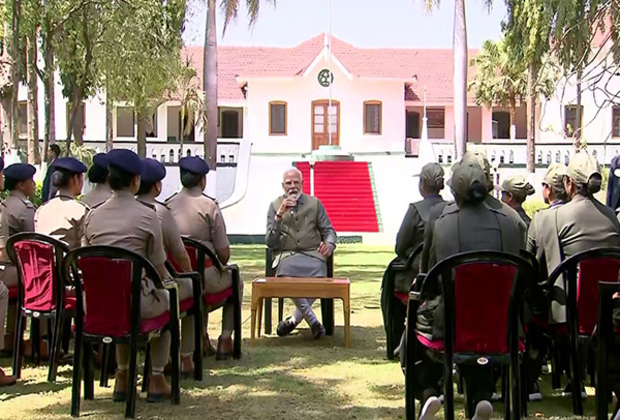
<point>399,266</point>
<point>415,291</point>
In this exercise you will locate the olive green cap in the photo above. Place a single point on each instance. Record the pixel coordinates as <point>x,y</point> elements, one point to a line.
<point>554,177</point>
<point>479,159</point>
<point>469,181</point>
<point>517,185</point>
<point>581,167</point>
<point>432,175</point>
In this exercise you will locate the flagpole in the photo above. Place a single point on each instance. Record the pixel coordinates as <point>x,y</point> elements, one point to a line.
<point>329,51</point>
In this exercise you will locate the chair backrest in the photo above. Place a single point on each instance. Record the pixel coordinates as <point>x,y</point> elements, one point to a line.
<point>38,259</point>
<point>198,254</point>
<point>109,279</point>
<point>582,273</point>
<point>605,325</point>
<point>482,300</point>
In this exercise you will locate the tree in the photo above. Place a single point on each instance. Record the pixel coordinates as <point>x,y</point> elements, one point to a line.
<point>143,66</point>
<point>527,33</point>
<point>230,9</point>
<point>30,26</point>
<point>8,72</point>
<point>459,48</point>
<point>502,81</point>
<point>193,100</point>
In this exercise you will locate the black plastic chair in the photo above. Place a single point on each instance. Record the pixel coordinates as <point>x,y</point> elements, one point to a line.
<point>115,275</point>
<point>497,343</point>
<point>327,305</point>
<point>40,295</point>
<point>396,304</point>
<point>199,254</point>
<point>606,332</point>
<point>581,274</point>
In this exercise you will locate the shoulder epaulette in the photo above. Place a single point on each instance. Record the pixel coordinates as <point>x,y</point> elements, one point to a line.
<point>162,204</point>
<point>27,202</point>
<point>152,207</point>
<point>210,198</point>
<point>170,198</point>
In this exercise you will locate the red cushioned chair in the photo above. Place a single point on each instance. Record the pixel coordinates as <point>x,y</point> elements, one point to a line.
<point>202,257</point>
<point>110,280</point>
<point>396,308</point>
<point>477,326</point>
<point>581,275</point>
<point>607,293</point>
<point>327,305</point>
<point>41,294</point>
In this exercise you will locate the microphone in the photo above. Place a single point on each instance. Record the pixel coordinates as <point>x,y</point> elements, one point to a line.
<point>294,208</point>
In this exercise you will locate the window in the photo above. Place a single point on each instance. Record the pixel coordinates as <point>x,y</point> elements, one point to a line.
<point>572,119</point>
<point>616,121</point>
<point>435,118</point>
<point>22,119</point>
<point>277,118</point>
<point>125,122</point>
<point>372,117</point>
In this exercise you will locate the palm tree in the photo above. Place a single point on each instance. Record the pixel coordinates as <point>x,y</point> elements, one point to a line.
<point>459,48</point>
<point>230,9</point>
<point>193,101</point>
<point>499,80</point>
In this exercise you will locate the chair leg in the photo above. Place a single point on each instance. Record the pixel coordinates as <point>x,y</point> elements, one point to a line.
<point>267,316</point>
<point>198,329</point>
<point>506,390</point>
<point>280,309</point>
<point>556,373</point>
<point>147,368</point>
<point>89,377</point>
<point>408,348</point>
<point>175,355</point>
<point>576,379</point>
<point>18,344</point>
<point>327,311</point>
<point>238,337</point>
<point>55,346</point>
<point>66,335</point>
<point>103,377</point>
<point>130,406</point>
<point>35,339</point>
<point>77,375</point>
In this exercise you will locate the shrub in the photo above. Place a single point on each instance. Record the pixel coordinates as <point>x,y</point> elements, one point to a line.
<point>532,206</point>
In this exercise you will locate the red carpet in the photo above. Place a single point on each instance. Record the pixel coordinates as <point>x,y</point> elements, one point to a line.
<point>346,191</point>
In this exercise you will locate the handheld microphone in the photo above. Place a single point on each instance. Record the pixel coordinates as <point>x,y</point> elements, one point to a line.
<point>295,197</point>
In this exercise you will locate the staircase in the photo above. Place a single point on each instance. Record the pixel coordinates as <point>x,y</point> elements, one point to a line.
<point>346,190</point>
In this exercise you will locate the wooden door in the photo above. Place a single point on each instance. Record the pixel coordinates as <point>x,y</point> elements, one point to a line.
<point>320,123</point>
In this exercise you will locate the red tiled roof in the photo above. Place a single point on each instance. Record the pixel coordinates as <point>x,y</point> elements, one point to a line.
<point>433,67</point>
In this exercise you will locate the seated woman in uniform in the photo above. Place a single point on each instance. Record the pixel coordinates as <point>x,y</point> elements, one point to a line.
<point>124,222</point>
<point>198,217</point>
<point>467,225</point>
<point>515,190</point>
<point>98,176</point>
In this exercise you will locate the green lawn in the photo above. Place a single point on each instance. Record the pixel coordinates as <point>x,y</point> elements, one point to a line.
<point>294,377</point>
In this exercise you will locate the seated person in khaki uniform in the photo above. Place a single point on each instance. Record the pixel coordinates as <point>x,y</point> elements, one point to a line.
<point>98,176</point>
<point>515,190</point>
<point>302,237</point>
<point>199,218</point>
<point>62,217</point>
<point>153,172</point>
<point>5,380</point>
<point>18,215</point>
<point>124,222</point>
<point>470,224</point>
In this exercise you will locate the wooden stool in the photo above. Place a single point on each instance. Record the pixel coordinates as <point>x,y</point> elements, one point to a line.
<point>300,287</point>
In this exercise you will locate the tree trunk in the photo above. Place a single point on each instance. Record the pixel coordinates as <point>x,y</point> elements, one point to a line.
<point>182,127</point>
<point>49,134</point>
<point>109,123</point>
<point>513,119</point>
<point>15,74</point>
<point>578,130</point>
<point>532,75</point>
<point>460,78</point>
<point>141,135</point>
<point>76,101</point>
<point>33,100</point>
<point>210,81</point>
<point>6,90</point>
<point>6,121</point>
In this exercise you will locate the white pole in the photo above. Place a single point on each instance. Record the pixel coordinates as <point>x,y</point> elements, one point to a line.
<point>329,51</point>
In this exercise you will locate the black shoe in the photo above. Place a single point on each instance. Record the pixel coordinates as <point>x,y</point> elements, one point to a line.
<point>317,330</point>
<point>534,394</point>
<point>285,327</point>
<point>568,391</point>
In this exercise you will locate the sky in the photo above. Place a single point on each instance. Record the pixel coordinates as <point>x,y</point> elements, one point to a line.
<point>363,23</point>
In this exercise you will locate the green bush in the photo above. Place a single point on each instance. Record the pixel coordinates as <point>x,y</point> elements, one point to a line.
<point>532,206</point>
<point>81,153</point>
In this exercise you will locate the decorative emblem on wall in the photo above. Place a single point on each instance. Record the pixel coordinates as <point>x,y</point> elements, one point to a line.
<point>325,78</point>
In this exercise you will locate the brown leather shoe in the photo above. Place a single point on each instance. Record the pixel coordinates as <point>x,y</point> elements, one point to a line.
<point>43,350</point>
<point>159,390</point>
<point>224,348</point>
<point>6,380</point>
<point>207,348</point>
<point>120,386</point>
<point>187,367</point>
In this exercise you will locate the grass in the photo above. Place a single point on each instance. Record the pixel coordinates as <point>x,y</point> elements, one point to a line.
<point>294,377</point>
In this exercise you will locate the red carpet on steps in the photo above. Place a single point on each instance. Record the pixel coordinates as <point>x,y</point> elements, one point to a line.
<point>345,189</point>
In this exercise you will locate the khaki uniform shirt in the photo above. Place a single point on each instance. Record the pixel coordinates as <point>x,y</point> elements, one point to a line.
<point>124,222</point>
<point>198,217</point>
<point>97,196</point>
<point>173,243</point>
<point>19,213</point>
<point>62,218</point>
<point>537,237</point>
<point>579,225</point>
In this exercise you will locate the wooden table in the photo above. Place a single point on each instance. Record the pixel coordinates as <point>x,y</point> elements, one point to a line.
<point>300,287</point>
